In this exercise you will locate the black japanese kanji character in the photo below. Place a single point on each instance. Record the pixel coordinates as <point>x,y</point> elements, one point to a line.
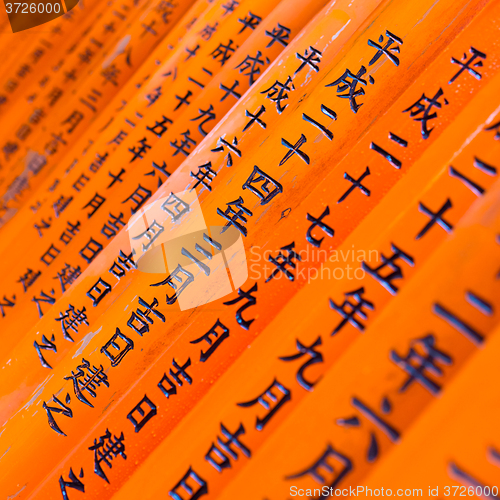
<point>184,146</point>
<point>421,111</point>
<point>153,96</point>
<point>124,263</point>
<point>112,226</point>
<point>140,319</point>
<point>160,127</point>
<point>204,176</point>
<point>80,183</point>
<point>152,232</point>
<point>73,121</point>
<point>110,74</point>
<point>144,417</point>
<point>356,183</point>
<point>72,319</point>
<point>230,91</point>
<point>391,262</point>
<point>251,66</point>
<point>236,216</point>
<point>91,250</point>
<point>140,150</point>
<point>60,205</point>
<point>206,253</point>
<point>87,378</point>
<point>469,64</point>
<point>458,323</point>
<point>50,255</point>
<point>269,188</point>
<point>191,52</point>
<point>95,203</point>
<point>98,291</point>
<point>62,408</point>
<point>328,112</point>
<point>318,222</point>
<point>43,225</point>
<point>116,178</point>
<point>148,28</point>
<point>223,52</point>
<point>114,344</point>
<point>311,58</point>
<point>180,371</point>
<point>98,162</point>
<point>283,261</point>
<point>250,21</point>
<point>314,357</point>
<point>350,311</point>
<point>201,485</point>
<point>294,149</point>
<point>277,92</point>
<point>388,156</point>
<point>350,81</point>
<point>92,96</point>
<point>255,118</point>
<point>388,49</point>
<point>47,345</point>
<point>138,198</point>
<point>393,434</point>
<point>44,298</point>
<point>219,455</point>
<point>271,401</point>
<point>105,450</point>
<point>417,365</point>
<point>183,100</point>
<point>73,483</point>
<point>207,32</point>
<point>206,115</point>
<point>219,336</point>
<point>232,149</point>
<point>436,218</point>
<point>119,138</point>
<point>474,186</point>
<point>67,276</point>
<point>250,301</point>
<point>28,278</point>
<point>280,34</point>
<point>176,275</point>
<point>175,207</point>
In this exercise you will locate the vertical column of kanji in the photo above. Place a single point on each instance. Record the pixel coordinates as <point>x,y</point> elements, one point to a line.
<point>332,23</point>
<point>450,453</point>
<point>288,359</point>
<point>145,82</point>
<point>410,354</point>
<point>93,197</point>
<point>100,292</point>
<point>32,113</point>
